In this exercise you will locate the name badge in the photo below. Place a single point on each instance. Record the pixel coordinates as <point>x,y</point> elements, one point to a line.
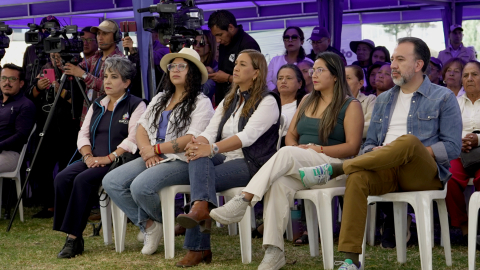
<point>232,57</point>
<point>90,94</point>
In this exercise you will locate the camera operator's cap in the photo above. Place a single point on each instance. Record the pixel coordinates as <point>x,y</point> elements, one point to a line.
<point>455,26</point>
<point>106,26</point>
<point>368,42</point>
<point>436,62</point>
<point>319,33</point>
<point>189,54</point>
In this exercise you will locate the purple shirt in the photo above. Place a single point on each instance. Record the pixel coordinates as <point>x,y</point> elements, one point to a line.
<point>17,117</point>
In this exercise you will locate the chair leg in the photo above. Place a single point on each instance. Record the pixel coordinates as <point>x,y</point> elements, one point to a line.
<point>472,228</point>
<point>106,214</point>
<point>364,245</point>
<point>167,197</point>
<point>19,190</point>
<point>119,227</point>
<point>1,190</point>
<point>371,223</point>
<point>312,225</point>
<point>423,214</point>
<point>324,216</point>
<point>220,203</point>
<point>289,230</point>
<point>232,228</point>
<point>399,215</point>
<point>246,236</point>
<point>443,214</point>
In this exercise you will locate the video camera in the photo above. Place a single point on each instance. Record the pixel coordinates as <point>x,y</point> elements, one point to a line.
<point>69,49</point>
<point>177,28</point>
<point>4,40</point>
<point>36,36</point>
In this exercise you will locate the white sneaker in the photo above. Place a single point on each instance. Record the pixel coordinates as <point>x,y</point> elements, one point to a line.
<point>347,265</point>
<point>153,235</point>
<point>274,259</point>
<point>318,175</point>
<point>141,237</point>
<point>231,212</point>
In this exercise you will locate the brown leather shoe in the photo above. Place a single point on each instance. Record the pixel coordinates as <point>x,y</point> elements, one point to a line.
<point>179,230</point>
<point>195,257</point>
<point>197,216</point>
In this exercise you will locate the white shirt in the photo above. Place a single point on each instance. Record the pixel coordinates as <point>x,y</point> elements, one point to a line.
<point>367,102</point>
<point>261,120</point>
<point>199,120</point>
<point>398,123</point>
<point>275,64</point>
<point>288,110</point>
<point>470,112</point>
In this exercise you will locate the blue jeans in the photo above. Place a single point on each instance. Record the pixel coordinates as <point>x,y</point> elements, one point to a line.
<point>134,187</point>
<point>207,177</point>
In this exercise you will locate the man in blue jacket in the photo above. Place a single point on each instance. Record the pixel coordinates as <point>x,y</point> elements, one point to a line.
<point>415,131</point>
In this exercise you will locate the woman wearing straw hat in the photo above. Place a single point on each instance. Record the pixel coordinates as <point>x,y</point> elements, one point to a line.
<point>170,121</point>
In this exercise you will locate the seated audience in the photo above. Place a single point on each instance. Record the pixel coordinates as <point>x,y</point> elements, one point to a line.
<point>304,66</point>
<point>399,150</point>
<point>292,40</point>
<point>435,72</point>
<point>354,76</point>
<point>109,125</point>
<point>452,75</point>
<point>456,49</point>
<point>327,127</point>
<point>383,79</point>
<point>206,46</point>
<point>371,77</point>
<point>320,40</point>
<point>362,49</point>
<point>379,54</point>
<point>239,139</point>
<point>175,115</point>
<point>17,117</point>
<point>469,104</point>
<point>291,88</point>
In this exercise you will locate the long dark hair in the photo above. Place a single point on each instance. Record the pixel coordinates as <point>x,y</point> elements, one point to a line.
<point>298,73</point>
<point>379,48</point>
<point>210,39</point>
<point>341,91</point>
<point>185,107</point>
<point>301,51</point>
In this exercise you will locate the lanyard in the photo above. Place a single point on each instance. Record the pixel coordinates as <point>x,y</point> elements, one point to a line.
<point>96,67</point>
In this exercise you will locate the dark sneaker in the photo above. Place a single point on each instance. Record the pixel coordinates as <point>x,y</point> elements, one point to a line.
<point>72,248</point>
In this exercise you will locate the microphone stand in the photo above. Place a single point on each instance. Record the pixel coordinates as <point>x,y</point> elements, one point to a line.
<point>42,136</point>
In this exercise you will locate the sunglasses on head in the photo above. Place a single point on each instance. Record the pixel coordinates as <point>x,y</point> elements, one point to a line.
<point>292,37</point>
<point>200,43</point>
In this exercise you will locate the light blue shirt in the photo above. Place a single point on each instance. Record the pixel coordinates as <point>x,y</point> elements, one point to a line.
<point>434,118</point>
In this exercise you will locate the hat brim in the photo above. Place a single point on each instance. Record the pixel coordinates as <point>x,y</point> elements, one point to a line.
<point>457,28</point>
<point>95,29</point>
<point>169,57</point>
<point>354,45</point>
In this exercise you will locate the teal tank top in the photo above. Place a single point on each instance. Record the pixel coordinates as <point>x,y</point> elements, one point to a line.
<point>307,129</point>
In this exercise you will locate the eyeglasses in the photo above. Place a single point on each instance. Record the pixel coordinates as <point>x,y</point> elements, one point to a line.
<point>10,79</point>
<point>314,42</point>
<point>180,67</point>
<point>88,40</point>
<point>313,71</point>
<point>292,38</point>
<point>200,43</point>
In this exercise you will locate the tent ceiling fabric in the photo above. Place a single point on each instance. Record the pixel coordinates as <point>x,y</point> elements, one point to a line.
<point>255,15</point>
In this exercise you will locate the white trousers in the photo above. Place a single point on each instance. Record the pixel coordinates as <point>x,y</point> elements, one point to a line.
<point>278,180</point>
<point>8,161</point>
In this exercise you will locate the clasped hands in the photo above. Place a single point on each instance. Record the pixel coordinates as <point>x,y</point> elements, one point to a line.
<point>149,156</point>
<point>469,141</point>
<point>196,149</point>
<point>95,162</point>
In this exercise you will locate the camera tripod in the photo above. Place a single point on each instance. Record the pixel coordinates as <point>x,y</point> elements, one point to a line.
<point>42,136</point>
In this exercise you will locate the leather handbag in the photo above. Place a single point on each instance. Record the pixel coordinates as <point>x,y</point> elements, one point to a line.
<point>471,160</point>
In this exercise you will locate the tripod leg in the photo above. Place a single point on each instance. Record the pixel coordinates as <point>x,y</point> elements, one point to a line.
<point>42,135</point>
<point>83,92</point>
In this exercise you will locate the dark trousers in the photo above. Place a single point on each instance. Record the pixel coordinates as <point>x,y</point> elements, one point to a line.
<point>76,191</point>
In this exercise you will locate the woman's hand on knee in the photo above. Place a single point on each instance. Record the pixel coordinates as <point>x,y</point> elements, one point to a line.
<point>155,160</point>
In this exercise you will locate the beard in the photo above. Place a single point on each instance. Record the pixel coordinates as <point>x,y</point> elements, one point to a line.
<point>404,78</point>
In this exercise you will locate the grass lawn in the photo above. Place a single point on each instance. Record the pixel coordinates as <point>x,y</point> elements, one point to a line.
<point>34,245</point>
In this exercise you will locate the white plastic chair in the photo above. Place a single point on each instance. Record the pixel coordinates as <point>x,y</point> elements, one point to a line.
<point>473,206</point>
<point>15,175</point>
<point>321,200</point>
<point>422,203</point>
<point>106,215</point>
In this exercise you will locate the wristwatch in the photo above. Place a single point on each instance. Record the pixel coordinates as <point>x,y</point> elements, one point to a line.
<point>215,148</point>
<point>84,76</point>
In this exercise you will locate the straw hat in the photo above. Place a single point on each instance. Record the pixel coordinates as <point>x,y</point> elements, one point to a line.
<point>188,54</point>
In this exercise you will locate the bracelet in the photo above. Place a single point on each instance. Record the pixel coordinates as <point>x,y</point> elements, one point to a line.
<point>109,158</point>
<point>115,154</point>
<point>157,149</point>
<point>85,159</point>
<point>87,155</point>
<point>321,147</point>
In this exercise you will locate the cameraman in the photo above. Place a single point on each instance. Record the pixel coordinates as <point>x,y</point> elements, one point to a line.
<point>232,39</point>
<point>30,55</point>
<point>90,46</point>
<point>59,144</point>
<point>91,70</point>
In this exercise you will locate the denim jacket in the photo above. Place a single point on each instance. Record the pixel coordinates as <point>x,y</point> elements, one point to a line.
<point>434,118</point>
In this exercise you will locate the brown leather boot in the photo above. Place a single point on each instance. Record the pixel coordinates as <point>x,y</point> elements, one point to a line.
<point>197,216</point>
<point>195,257</point>
<point>179,230</point>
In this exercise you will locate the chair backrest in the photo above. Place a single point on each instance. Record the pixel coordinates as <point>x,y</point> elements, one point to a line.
<point>281,129</point>
<point>24,149</point>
